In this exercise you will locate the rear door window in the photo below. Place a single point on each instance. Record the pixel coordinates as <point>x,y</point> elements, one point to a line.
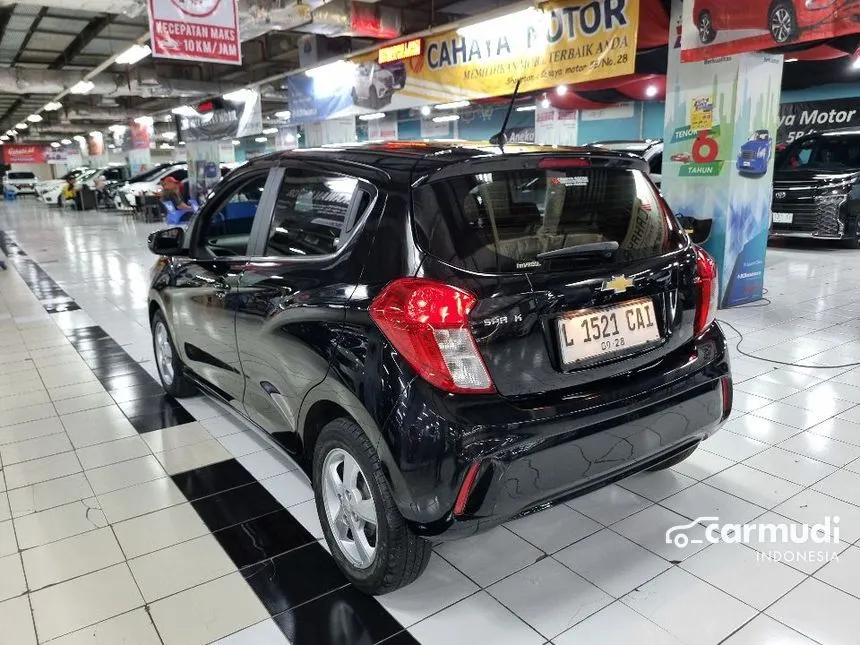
<point>21,175</point>
<point>502,221</point>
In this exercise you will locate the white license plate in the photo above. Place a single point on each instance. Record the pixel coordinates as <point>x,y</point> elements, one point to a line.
<point>607,331</point>
<point>783,218</point>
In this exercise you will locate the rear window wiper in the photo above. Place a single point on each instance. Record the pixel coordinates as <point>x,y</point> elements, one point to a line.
<point>594,248</point>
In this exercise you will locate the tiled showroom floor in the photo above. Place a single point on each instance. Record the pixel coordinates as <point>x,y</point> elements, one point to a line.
<point>129,518</point>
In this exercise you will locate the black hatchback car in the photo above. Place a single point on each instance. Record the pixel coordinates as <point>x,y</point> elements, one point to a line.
<point>446,336</point>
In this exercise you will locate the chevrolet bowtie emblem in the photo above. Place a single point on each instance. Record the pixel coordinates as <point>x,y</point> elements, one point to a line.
<point>618,284</point>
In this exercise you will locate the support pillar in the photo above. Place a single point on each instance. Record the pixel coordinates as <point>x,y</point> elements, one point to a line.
<point>720,141</point>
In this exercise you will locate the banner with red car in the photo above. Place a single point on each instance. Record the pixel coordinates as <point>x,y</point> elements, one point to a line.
<point>195,30</point>
<point>715,28</point>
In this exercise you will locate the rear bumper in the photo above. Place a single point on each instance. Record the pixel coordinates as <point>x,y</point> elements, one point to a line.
<point>534,453</point>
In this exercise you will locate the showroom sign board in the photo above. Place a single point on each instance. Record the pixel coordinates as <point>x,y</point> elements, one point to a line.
<point>714,28</point>
<point>563,42</point>
<point>196,30</point>
<point>17,153</point>
<point>799,119</point>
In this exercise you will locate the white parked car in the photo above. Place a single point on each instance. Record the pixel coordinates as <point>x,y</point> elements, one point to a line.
<point>51,192</point>
<point>47,190</point>
<point>374,86</point>
<point>651,150</point>
<point>23,181</point>
<point>148,183</point>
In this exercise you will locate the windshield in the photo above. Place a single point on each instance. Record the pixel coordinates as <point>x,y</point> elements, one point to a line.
<point>87,174</point>
<point>822,153</point>
<point>148,175</point>
<point>20,175</point>
<point>501,221</point>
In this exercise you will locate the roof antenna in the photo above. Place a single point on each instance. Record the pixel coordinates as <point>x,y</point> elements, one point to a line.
<point>500,138</point>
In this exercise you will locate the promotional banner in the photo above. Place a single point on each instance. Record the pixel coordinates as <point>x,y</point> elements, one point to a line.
<point>799,119</point>
<point>713,28</point>
<point>562,42</point>
<point>56,156</point>
<point>238,118</point>
<point>556,127</point>
<point>195,30</point>
<point>18,153</point>
<point>383,129</point>
<point>720,128</point>
<point>204,167</point>
<point>139,160</point>
<point>140,135</point>
<point>95,144</point>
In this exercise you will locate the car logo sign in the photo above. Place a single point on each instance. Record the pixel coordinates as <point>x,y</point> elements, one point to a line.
<point>780,194</point>
<point>618,284</point>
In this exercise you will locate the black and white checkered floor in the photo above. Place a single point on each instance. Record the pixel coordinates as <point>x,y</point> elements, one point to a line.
<point>128,517</point>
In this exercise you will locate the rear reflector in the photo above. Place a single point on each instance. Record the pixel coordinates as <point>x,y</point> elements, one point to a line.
<point>428,323</point>
<point>564,162</point>
<point>727,394</point>
<point>707,290</point>
<point>466,488</point>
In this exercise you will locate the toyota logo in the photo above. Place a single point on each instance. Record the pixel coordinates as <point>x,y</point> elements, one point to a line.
<point>780,194</point>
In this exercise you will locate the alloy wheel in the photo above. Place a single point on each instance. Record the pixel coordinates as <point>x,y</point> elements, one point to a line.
<point>705,28</point>
<point>781,25</point>
<point>350,509</point>
<point>163,353</point>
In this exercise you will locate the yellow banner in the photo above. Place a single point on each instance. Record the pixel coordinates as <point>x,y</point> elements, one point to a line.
<point>559,43</point>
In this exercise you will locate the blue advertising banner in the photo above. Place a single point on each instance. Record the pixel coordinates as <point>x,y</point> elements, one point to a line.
<point>308,105</point>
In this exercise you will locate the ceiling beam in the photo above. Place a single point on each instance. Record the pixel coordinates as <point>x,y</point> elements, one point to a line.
<point>87,35</point>
<point>32,30</point>
<point>12,109</point>
<point>5,16</point>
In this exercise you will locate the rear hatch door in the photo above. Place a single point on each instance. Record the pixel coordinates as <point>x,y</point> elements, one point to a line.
<point>580,270</point>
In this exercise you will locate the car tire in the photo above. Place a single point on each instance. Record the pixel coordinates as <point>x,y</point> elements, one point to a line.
<point>705,25</point>
<point>171,372</point>
<point>673,461</point>
<point>782,21</point>
<point>851,242</point>
<point>396,556</point>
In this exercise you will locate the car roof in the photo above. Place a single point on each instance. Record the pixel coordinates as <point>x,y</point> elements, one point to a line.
<point>394,157</point>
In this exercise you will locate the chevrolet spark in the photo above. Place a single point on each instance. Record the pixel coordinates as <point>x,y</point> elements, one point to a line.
<point>447,337</point>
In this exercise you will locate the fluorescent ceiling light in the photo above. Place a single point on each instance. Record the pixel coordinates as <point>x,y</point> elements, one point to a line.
<point>82,87</point>
<point>52,106</point>
<point>453,105</point>
<point>337,68</point>
<point>116,127</point>
<point>446,118</point>
<point>4,137</point>
<point>184,110</point>
<point>235,142</point>
<point>527,108</point>
<point>791,60</point>
<point>261,139</point>
<point>284,114</point>
<point>561,90</point>
<point>21,126</point>
<point>133,54</point>
<point>95,133</point>
<point>79,137</point>
<point>425,110</point>
<point>240,96</point>
<point>181,143</point>
<point>10,132</point>
<point>270,131</point>
<point>651,90</point>
<point>144,120</point>
<point>66,142</point>
<point>55,144</point>
<point>34,118</point>
<point>372,117</point>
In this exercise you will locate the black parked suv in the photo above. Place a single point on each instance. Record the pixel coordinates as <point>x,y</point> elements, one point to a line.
<point>447,337</point>
<point>816,188</point>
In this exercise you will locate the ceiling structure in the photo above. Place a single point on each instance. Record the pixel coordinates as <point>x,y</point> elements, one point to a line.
<point>46,48</point>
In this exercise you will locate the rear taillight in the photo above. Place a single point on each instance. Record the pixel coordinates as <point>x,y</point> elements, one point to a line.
<point>428,323</point>
<point>727,395</point>
<point>707,290</point>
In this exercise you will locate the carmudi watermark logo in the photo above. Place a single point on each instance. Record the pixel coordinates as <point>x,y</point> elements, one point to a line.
<point>774,541</point>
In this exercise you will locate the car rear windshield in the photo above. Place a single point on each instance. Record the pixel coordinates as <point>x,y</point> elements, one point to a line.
<point>502,221</point>
<point>21,175</point>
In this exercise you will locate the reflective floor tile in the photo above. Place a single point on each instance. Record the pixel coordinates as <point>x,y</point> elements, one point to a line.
<point>792,415</point>
<point>154,531</point>
<point>267,463</point>
<point>790,466</point>
<point>84,601</point>
<point>212,478</point>
<point>616,624</point>
<point>125,474</point>
<point>732,446</point>
<point>191,457</point>
<point>491,556</point>
<point>12,581</point>
<point>132,628</point>
<point>477,619</point>
<point>753,485</point>
<point>206,613</point>
<point>812,507</point>
<point>140,499</point>
<point>221,426</point>
<point>29,413</point>
<point>20,451</point>
<point>96,426</point>
<point>844,573</point>
<point>708,615</point>
<point>549,597</point>
<point>307,516</point>
<point>763,630</point>
<point>244,443</point>
<point>737,570</point>
<point>70,558</point>
<point>764,430</point>
<point>290,488</point>
<point>34,396</point>
<point>40,470</point>
<point>263,538</point>
<point>843,484</point>
<point>820,612</point>
<point>701,465</point>
<point>8,543</point>
<point>609,504</point>
<point>176,568</point>
<point>5,511</point>
<point>648,529</point>
<point>112,452</point>
<point>815,446</point>
<point>612,562</point>
<point>553,528</point>
<point>235,506</point>
<point>264,633</point>
<point>49,494</point>
<point>702,499</point>
<point>58,523</point>
<point>83,403</point>
<point>65,392</point>
<point>658,485</point>
<point>176,437</point>
<point>17,622</point>
<point>838,430</point>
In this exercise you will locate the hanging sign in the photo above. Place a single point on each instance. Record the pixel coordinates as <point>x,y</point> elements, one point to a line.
<point>799,119</point>
<point>17,153</point>
<point>196,30</point>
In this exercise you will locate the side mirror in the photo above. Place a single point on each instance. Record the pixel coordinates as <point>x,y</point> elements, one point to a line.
<point>167,241</point>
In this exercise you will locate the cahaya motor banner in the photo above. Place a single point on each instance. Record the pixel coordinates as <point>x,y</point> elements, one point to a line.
<point>720,127</point>
<point>18,153</point>
<point>799,119</point>
<point>559,43</point>
<point>714,28</point>
<point>196,30</point>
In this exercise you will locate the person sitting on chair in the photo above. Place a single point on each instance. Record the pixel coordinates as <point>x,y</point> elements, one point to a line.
<point>69,190</point>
